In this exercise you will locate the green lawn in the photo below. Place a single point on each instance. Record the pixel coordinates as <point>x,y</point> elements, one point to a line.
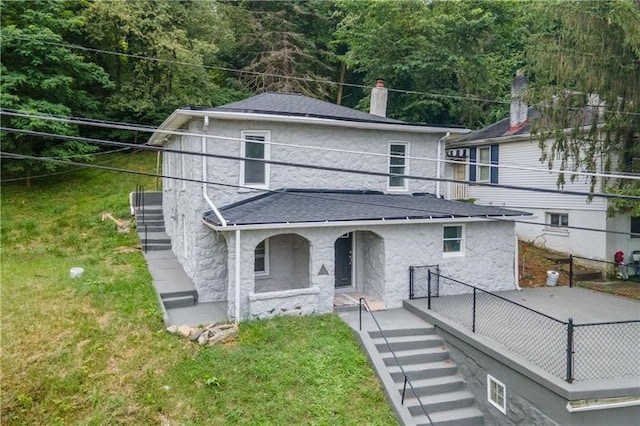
<point>94,350</point>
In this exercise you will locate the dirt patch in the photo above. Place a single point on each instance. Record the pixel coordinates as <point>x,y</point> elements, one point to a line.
<point>534,262</point>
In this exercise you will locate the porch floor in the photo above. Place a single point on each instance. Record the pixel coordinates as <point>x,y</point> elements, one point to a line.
<point>352,299</point>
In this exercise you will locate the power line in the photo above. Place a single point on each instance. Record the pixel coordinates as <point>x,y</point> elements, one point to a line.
<point>135,127</point>
<point>305,79</point>
<point>313,166</point>
<point>199,181</point>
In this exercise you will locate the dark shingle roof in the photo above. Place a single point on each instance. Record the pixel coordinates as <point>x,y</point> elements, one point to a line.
<point>500,128</point>
<point>292,104</point>
<point>323,205</point>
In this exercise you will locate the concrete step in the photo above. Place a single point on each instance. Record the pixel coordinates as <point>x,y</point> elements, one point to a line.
<point>436,385</point>
<point>157,246</point>
<point>178,302</point>
<point>416,356</point>
<point>423,371</point>
<point>407,342</point>
<point>151,228</point>
<point>403,332</point>
<point>179,293</point>
<point>468,416</point>
<point>440,402</point>
<point>149,218</point>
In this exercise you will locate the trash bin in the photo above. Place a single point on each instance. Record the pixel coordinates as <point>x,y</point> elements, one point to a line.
<point>552,278</point>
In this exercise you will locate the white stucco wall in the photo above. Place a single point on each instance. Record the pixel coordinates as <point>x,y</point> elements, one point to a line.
<point>488,259</point>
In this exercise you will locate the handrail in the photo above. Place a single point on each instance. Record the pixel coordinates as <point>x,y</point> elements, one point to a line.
<point>140,207</point>
<point>406,378</point>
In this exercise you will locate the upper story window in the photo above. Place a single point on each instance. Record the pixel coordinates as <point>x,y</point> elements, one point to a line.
<point>453,240</point>
<point>255,147</point>
<point>484,157</point>
<point>398,153</point>
<point>482,161</point>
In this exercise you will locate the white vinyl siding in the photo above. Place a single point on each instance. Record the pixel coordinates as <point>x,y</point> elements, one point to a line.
<point>255,145</point>
<point>527,154</point>
<point>398,165</point>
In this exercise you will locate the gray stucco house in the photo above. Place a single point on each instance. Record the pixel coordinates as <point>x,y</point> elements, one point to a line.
<point>290,200</point>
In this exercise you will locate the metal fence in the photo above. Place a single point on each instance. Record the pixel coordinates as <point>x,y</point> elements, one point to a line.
<point>566,350</point>
<point>584,271</point>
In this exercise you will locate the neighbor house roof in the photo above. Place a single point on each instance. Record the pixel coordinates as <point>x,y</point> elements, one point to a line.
<point>298,206</point>
<point>500,129</point>
<point>290,107</point>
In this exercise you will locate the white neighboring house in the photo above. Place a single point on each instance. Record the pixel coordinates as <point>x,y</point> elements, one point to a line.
<point>266,251</point>
<point>557,217</point>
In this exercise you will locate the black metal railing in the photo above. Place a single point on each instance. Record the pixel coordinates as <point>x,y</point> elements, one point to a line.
<point>407,381</point>
<point>418,277</point>
<point>567,350</point>
<point>584,272</point>
<point>139,209</point>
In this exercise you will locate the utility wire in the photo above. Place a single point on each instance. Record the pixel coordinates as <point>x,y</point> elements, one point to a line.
<point>136,127</point>
<point>313,166</point>
<point>199,181</point>
<point>305,79</point>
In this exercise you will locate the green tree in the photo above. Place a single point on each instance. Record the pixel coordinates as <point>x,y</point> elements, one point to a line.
<point>40,75</point>
<point>453,50</point>
<point>284,46</point>
<point>584,63</point>
<point>168,55</point>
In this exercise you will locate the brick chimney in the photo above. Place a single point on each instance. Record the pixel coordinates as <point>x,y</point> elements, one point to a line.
<point>378,104</point>
<point>518,112</point>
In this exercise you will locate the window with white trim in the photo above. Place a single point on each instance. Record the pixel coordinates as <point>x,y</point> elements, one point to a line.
<point>398,153</point>
<point>634,227</point>
<point>558,220</point>
<point>255,147</point>
<point>261,258</point>
<point>497,394</point>
<point>453,240</point>
<point>484,157</point>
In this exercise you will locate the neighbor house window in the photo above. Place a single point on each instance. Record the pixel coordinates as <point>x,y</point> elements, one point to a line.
<point>558,220</point>
<point>496,394</point>
<point>255,148</point>
<point>453,241</point>
<point>635,227</point>
<point>398,152</point>
<point>484,157</point>
<point>261,257</point>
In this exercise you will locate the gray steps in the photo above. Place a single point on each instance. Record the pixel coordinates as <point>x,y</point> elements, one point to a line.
<point>179,301</point>
<point>425,360</point>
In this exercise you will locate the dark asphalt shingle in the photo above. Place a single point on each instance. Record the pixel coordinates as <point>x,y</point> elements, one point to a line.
<point>307,205</point>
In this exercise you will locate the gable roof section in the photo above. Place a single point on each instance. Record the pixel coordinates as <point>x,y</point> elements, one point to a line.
<point>290,107</point>
<point>325,206</point>
<point>292,104</point>
<point>499,129</point>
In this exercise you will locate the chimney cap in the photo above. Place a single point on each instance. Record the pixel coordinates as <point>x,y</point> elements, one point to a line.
<point>379,82</point>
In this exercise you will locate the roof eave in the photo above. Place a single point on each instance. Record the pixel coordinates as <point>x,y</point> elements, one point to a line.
<point>351,223</point>
<point>181,116</point>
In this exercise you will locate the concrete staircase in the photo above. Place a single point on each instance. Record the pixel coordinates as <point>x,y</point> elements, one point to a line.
<point>426,362</point>
<point>150,223</point>
<point>173,286</point>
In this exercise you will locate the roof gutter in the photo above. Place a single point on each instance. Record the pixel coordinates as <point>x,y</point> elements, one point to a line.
<point>352,223</point>
<point>212,206</point>
<point>439,162</point>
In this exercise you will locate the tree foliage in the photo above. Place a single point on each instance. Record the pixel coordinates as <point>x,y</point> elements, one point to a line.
<point>40,75</point>
<point>163,50</point>
<point>453,50</point>
<point>584,61</point>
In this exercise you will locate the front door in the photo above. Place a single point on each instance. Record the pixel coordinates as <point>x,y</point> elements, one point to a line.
<point>343,248</point>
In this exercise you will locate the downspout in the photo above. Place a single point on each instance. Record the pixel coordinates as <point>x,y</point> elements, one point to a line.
<point>212,206</point>
<point>517,265</point>
<point>237,276</point>
<point>438,166</point>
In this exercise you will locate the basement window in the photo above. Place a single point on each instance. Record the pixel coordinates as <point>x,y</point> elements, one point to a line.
<point>496,394</point>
